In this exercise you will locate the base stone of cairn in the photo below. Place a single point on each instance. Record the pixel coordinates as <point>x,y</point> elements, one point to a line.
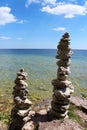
<point>21,113</point>
<point>62,87</point>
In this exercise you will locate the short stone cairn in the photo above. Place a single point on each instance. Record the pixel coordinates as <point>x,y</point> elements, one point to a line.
<point>62,87</point>
<point>21,113</point>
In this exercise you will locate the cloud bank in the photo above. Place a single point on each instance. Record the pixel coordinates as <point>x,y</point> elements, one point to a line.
<point>6,16</point>
<point>68,10</point>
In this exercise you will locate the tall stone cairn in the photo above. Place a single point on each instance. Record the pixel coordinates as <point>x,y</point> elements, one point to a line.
<point>21,113</point>
<point>62,87</point>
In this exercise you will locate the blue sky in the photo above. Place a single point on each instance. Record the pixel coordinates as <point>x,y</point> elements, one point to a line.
<point>41,23</point>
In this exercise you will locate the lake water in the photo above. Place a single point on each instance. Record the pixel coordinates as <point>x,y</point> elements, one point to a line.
<point>40,65</point>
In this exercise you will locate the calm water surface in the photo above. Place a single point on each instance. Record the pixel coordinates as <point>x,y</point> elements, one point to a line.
<point>40,64</point>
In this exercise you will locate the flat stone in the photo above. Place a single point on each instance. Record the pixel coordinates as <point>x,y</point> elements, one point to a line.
<point>20,82</point>
<point>31,113</point>
<point>42,112</point>
<point>82,115</point>
<point>29,116</point>
<point>66,124</point>
<point>23,113</point>
<point>59,114</point>
<point>28,126</point>
<point>62,77</point>
<point>63,93</point>
<point>28,101</point>
<point>16,87</point>
<point>62,47</point>
<point>64,54</point>
<point>84,107</point>
<point>22,103</point>
<point>80,102</point>
<point>64,63</point>
<point>61,84</point>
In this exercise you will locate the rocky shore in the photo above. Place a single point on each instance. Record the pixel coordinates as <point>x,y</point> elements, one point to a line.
<point>77,117</point>
<point>62,112</point>
<point>41,119</point>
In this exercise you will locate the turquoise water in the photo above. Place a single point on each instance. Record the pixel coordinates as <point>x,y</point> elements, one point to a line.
<point>40,64</point>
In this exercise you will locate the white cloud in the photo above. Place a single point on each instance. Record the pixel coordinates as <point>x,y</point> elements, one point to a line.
<point>68,10</point>
<point>59,29</point>
<point>6,16</point>
<point>22,21</point>
<point>53,2</point>
<point>42,2</point>
<point>86,3</point>
<point>28,2</point>
<point>5,38</point>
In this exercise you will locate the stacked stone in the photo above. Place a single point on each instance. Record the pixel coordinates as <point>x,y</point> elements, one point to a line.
<point>21,112</point>
<point>62,87</point>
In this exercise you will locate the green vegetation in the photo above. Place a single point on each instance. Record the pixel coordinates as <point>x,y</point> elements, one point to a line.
<point>84,92</point>
<point>38,90</point>
<point>5,118</point>
<point>5,108</point>
<point>72,115</point>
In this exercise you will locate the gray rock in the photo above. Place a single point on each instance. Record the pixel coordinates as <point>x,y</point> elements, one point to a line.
<point>80,102</point>
<point>28,126</point>
<point>66,124</point>
<point>62,87</point>
<point>21,113</point>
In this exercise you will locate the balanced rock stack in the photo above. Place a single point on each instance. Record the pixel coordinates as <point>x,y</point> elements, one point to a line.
<point>21,113</point>
<point>62,87</point>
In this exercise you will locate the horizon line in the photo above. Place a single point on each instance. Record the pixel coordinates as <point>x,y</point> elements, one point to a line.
<point>38,48</point>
